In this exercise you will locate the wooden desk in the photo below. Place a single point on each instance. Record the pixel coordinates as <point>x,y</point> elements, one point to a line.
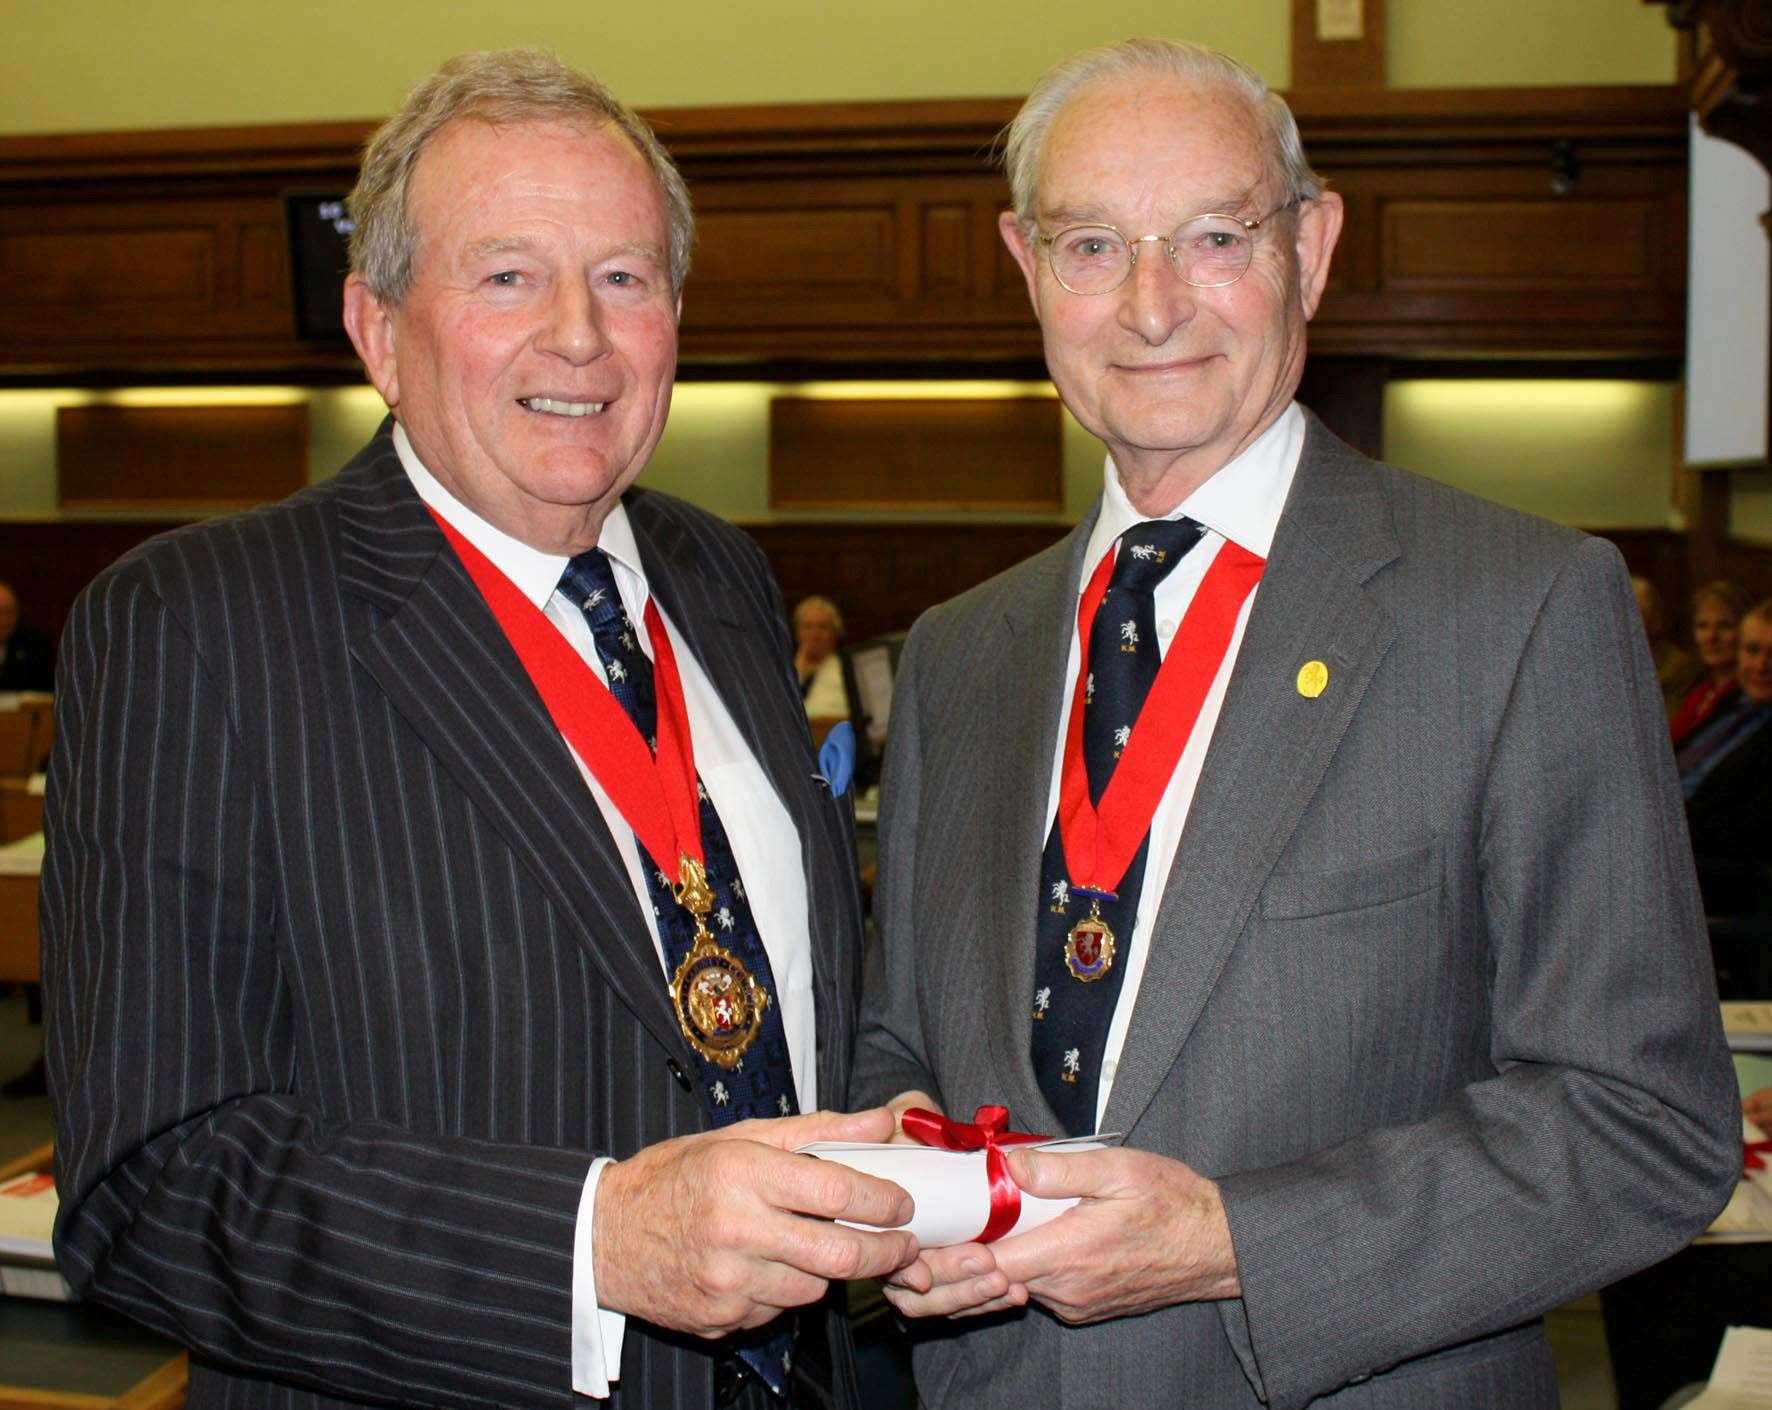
<point>21,811</point>
<point>27,729</point>
<point>21,960</point>
<point>74,1356</point>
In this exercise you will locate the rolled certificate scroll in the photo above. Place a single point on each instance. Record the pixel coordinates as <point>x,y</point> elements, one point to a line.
<point>960,1181</point>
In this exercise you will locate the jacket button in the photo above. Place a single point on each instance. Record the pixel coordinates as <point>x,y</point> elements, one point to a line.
<point>676,1070</point>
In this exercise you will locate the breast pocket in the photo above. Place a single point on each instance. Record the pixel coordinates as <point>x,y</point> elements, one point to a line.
<point>1380,881</point>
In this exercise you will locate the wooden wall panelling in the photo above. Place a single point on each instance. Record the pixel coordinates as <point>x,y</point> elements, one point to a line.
<point>164,251</point>
<point>829,231</point>
<point>48,561</point>
<point>1495,224</point>
<point>1347,393</point>
<point>870,267</point>
<point>951,453</point>
<point>210,457</point>
<point>1749,564</point>
<point>886,573</point>
<point>1338,43</point>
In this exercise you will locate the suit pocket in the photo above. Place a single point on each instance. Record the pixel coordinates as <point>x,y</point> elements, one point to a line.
<point>1299,895</point>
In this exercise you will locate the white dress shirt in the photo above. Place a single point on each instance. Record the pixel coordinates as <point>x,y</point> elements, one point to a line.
<point>765,844</point>
<point>1241,503</point>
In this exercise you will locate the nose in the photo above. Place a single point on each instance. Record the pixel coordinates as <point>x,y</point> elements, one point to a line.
<point>1155,300</point>
<point>574,326</point>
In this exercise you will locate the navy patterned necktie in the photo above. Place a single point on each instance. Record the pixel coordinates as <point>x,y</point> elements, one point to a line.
<point>1070,1017</point>
<point>762,1084</point>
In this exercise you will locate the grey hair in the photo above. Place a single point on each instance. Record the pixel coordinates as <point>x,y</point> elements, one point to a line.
<point>1723,591</point>
<point>1174,58</point>
<point>499,86</point>
<point>806,603</point>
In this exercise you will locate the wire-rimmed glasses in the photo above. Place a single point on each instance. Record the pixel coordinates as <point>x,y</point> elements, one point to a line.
<point>1209,252</point>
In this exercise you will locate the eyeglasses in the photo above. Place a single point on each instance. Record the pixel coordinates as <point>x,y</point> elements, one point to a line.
<point>1208,252</point>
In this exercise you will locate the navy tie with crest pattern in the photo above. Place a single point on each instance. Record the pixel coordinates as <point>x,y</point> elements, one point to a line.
<point>763,1082</point>
<point>1071,1018</point>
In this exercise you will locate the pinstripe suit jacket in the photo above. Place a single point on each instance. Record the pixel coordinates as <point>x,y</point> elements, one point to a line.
<point>348,984</point>
<point>1427,992</point>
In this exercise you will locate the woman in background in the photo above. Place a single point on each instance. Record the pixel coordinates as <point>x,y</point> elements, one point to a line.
<point>1716,632</point>
<point>818,626</point>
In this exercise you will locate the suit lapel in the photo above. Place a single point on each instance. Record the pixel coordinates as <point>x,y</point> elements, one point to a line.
<point>1036,645</point>
<point>1270,749</point>
<point>486,726</point>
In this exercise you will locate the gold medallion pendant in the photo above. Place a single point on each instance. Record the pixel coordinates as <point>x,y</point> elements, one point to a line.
<point>719,1005</point>
<point>1089,948</point>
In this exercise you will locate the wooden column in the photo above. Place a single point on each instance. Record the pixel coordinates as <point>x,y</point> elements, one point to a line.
<point>1337,44</point>
<point>1728,69</point>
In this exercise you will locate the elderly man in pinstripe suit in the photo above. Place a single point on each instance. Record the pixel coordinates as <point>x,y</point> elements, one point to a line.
<point>380,819</point>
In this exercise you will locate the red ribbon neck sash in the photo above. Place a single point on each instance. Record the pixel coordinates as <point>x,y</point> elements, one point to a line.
<point>1100,840</point>
<point>989,1132</point>
<point>656,795</point>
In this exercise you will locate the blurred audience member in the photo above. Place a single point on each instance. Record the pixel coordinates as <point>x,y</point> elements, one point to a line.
<point>1716,631</point>
<point>818,627</point>
<point>27,660</point>
<point>1726,775</point>
<point>1675,668</point>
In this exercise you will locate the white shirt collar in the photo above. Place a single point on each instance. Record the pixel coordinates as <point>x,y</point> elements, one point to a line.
<point>535,573</point>
<point>1241,502</point>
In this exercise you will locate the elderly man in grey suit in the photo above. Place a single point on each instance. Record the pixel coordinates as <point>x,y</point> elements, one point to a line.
<point>437,870</point>
<point>1308,823</point>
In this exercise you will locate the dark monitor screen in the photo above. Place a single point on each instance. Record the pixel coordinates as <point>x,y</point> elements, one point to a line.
<point>319,259</point>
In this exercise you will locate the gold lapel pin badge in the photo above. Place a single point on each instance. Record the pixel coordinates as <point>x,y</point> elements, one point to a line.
<point>1313,679</point>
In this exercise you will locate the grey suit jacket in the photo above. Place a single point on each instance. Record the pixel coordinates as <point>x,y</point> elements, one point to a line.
<point>1428,991</point>
<point>348,984</point>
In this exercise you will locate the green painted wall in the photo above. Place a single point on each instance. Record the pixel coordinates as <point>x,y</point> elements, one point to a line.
<point>1596,454</point>
<point>176,63</point>
<point>111,63</point>
<point>1521,43</point>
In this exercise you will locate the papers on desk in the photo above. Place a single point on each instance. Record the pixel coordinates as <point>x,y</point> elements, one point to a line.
<point>1747,1218</point>
<point>27,1217</point>
<point>1747,1026</point>
<point>1742,1376</point>
<point>24,857</point>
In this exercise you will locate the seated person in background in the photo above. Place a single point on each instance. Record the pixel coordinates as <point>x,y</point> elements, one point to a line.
<point>818,627</point>
<point>1726,775</point>
<point>27,660</point>
<point>1675,668</point>
<point>1716,630</point>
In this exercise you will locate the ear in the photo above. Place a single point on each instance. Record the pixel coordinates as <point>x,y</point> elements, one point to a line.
<point>1009,226</point>
<point>1319,227</point>
<point>371,326</point>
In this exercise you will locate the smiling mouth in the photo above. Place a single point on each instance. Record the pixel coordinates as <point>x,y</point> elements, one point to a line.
<point>549,406</point>
<point>1179,364</point>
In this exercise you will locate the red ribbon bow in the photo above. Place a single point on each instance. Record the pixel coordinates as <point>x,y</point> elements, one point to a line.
<point>1753,1154</point>
<point>987,1131</point>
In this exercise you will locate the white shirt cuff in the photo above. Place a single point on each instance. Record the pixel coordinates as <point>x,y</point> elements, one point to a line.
<point>596,1334</point>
